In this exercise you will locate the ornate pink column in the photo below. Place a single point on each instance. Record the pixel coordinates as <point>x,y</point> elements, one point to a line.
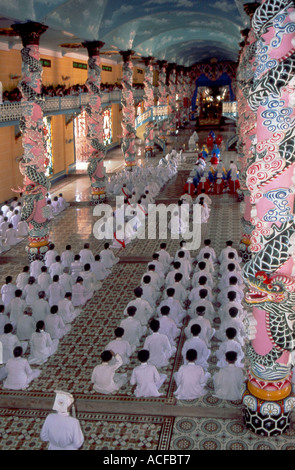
<point>269,398</point>
<point>162,96</point>
<point>34,161</point>
<point>128,111</point>
<point>149,102</point>
<point>172,98</point>
<point>95,137</point>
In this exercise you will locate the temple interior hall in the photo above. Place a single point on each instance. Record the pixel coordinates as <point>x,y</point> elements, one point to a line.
<point>183,105</point>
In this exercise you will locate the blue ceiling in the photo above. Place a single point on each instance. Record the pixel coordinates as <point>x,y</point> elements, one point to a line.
<point>184,32</point>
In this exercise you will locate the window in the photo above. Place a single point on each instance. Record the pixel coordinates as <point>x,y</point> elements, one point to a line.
<point>79,65</point>
<point>107,126</point>
<point>45,62</point>
<point>107,68</point>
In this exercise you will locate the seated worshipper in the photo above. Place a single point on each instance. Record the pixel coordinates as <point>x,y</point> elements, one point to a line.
<point>66,309</point>
<point>159,267</point>
<point>158,346</point>
<point>156,281</point>
<point>177,312</point>
<point>107,257</point>
<point>133,330</point>
<point>31,291</point>
<point>195,292</point>
<point>146,377</point>
<point>207,199</point>
<point>104,377</point>
<point>234,287</point>
<point>76,267</point>
<point>16,307</point>
<point>41,345</point>
<point>149,293</point>
<point>185,265</point>
<point>180,293</point>
<point>230,271</point>
<point>230,258</point>
<point>3,319</point>
<point>89,280</point>
<point>11,238</point>
<point>19,372</point>
<point>22,278</point>
<point>119,242</point>
<point>26,325</point>
<point>203,303</point>
<point>56,268</point>
<point>229,381</point>
<point>22,229</point>
<point>4,227</point>
<point>44,279</point>
<point>8,291</point>
<point>54,324</point>
<point>202,272</point>
<point>164,257</point>
<point>67,257</point>
<point>66,280</point>
<point>40,308</point>
<point>61,430</point>
<point>144,311</point>
<point>55,291</point>
<point>223,311</point>
<point>232,322</point>
<point>207,332</point>
<point>190,378</point>
<point>197,343</point>
<point>9,342</point>
<point>55,206</point>
<point>5,208</point>
<point>187,253</point>
<point>49,210</point>
<point>230,344</point>
<point>50,255</point>
<point>99,269</point>
<point>207,248</point>
<point>170,278</point>
<point>168,326</point>
<point>62,204</point>
<point>36,266</point>
<point>209,264</point>
<point>120,346</point>
<point>86,255</point>
<point>80,295</point>
<point>224,252</point>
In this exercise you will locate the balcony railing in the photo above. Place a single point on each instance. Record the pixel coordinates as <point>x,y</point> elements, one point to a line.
<point>11,111</point>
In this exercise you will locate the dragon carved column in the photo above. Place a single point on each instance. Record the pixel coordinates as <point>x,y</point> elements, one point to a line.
<point>172,98</point>
<point>96,148</point>
<point>270,178</point>
<point>149,102</point>
<point>34,161</point>
<point>162,96</point>
<point>128,111</point>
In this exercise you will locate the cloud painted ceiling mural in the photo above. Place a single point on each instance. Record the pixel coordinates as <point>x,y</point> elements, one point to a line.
<point>181,31</point>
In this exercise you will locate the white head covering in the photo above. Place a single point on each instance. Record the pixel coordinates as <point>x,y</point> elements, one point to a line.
<point>62,402</point>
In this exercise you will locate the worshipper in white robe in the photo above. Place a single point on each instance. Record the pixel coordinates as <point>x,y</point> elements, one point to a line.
<point>86,254</point>
<point>180,293</point>
<point>197,343</point>
<point>66,280</point>
<point>80,295</point>
<point>223,311</point>
<point>133,330</point>
<point>55,206</point>
<point>159,267</point>
<point>232,322</point>
<point>19,372</point>
<point>44,279</point>
<point>22,229</point>
<point>62,203</point>
<point>36,266</point>
<point>190,378</point>
<point>194,294</point>
<point>229,258</point>
<point>185,266</point>
<point>89,280</point>
<point>209,311</point>
<point>149,292</point>
<point>50,255</point>
<point>54,324</point>
<point>41,345</point>
<point>170,278</point>
<point>61,430</point>
<point>177,312</point>
<point>4,227</point>
<point>230,271</point>
<point>146,377</point>
<point>229,247</point>
<point>207,199</point>
<point>5,208</point>
<point>66,309</point>
<point>156,281</point>
<point>3,319</point>
<point>144,311</point>
<point>164,257</point>
<point>120,346</point>
<point>49,210</point>
<point>9,213</point>
<point>207,248</point>
<point>158,346</point>
<point>230,344</point>
<point>16,307</point>
<point>104,377</point>
<point>56,267</point>
<point>76,267</point>
<point>209,264</point>
<point>22,278</point>
<point>202,272</point>
<point>67,257</point>
<point>25,325</point>
<point>207,331</point>
<point>9,341</point>
<point>99,269</point>
<point>8,291</point>
<point>232,287</point>
<point>107,257</point>
<point>15,219</point>
<point>168,326</point>
<point>55,291</point>
<point>40,308</point>
<point>229,381</point>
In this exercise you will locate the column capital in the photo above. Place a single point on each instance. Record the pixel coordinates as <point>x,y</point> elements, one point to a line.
<point>93,47</point>
<point>29,32</point>
<point>126,54</point>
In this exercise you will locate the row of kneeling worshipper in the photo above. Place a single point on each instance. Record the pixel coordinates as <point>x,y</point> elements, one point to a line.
<point>180,294</point>
<point>37,309</point>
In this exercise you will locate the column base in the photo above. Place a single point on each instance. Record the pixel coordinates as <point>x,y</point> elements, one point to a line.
<point>34,249</point>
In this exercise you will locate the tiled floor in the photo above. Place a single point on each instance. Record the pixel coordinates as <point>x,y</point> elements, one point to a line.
<point>121,421</point>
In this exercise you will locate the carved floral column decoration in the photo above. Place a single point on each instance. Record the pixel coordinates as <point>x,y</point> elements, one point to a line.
<point>128,111</point>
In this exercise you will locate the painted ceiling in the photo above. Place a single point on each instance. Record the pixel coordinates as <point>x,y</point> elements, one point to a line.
<point>184,32</point>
